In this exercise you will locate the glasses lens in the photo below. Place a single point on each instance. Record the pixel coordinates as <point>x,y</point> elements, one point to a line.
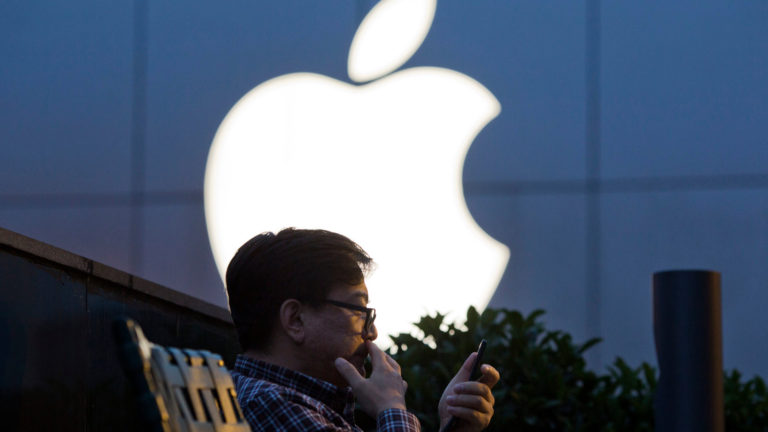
<point>369,318</point>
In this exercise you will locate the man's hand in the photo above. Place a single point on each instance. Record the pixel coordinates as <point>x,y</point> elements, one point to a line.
<point>471,402</point>
<point>383,390</point>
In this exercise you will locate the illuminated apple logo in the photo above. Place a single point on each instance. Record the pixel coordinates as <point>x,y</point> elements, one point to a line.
<point>380,163</point>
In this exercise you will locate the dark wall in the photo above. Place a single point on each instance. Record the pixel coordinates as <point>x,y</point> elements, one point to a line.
<point>59,366</point>
<point>631,139</point>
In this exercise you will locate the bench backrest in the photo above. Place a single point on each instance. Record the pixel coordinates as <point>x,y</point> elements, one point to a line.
<point>179,390</point>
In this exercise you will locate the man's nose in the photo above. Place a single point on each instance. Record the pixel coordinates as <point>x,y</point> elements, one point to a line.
<point>371,334</point>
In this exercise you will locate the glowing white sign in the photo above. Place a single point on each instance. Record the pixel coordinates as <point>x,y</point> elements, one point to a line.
<point>380,163</point>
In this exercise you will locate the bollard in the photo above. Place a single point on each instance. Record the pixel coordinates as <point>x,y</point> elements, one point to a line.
<point>688,332</point>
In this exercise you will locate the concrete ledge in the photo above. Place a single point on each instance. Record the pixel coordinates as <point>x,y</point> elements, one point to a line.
<point>57,312</point>
<point>27,245</point>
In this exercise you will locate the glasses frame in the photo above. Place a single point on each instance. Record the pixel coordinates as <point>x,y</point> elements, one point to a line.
<point>370,313</point>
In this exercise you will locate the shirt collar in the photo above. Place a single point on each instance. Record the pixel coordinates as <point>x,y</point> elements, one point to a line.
<point>340,400</point>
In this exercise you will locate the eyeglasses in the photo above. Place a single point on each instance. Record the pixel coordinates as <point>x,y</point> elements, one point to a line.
<point>370,313</point>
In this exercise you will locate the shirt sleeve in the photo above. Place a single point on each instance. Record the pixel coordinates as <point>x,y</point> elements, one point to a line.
<point>397,420</point>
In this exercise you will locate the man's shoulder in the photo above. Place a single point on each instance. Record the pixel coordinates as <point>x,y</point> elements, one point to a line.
<point>271,406</point>
<point>255,393</point>
<point>250,388</point>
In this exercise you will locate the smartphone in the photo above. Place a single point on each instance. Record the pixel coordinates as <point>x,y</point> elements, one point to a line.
<point>473,376</point>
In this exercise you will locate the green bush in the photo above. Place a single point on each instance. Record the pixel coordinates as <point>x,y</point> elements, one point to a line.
<point>746,403</point>
<point>545,384</point>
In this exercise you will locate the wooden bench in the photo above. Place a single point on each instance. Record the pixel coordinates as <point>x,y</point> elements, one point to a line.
<point>178,390</point>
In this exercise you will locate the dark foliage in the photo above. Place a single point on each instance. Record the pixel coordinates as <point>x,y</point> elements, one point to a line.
<point>746,403</point>
<point>545,384</point>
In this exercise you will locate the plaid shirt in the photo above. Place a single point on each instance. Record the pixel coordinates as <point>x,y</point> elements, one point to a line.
<point>274,398</point>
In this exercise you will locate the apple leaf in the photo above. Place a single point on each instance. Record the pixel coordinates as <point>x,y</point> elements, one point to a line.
<point>388,36</point>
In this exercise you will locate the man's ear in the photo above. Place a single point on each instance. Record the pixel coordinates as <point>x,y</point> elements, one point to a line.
<point>291,320</point>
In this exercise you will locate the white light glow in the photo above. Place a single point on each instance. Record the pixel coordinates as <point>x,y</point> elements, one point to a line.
<point>388,36</point>
<point>380,163</point>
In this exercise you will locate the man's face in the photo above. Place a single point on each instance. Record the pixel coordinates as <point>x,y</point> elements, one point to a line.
<point>335,331</point>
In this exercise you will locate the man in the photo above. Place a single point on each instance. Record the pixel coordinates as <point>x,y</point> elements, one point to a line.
<point>300,305</point>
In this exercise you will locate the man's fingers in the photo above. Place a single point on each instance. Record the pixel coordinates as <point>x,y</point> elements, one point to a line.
<point>374,351</point>
<point>463,374</point>
<point>471,401</point>
<point>490,376</point>
<point>348,371</point>
<point>392,362</point>
<point>475,389</point>
<point>466,369</point>
<point>476,419</point>
<point>378,357</point>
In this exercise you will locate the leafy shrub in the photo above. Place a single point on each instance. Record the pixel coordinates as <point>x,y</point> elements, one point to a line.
<point>545,384</point>
<point>746,403</point>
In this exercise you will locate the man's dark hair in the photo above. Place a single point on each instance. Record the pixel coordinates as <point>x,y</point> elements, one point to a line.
<point>292,264</point>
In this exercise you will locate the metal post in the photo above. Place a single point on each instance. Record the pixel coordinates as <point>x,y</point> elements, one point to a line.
<point>688,332</point>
